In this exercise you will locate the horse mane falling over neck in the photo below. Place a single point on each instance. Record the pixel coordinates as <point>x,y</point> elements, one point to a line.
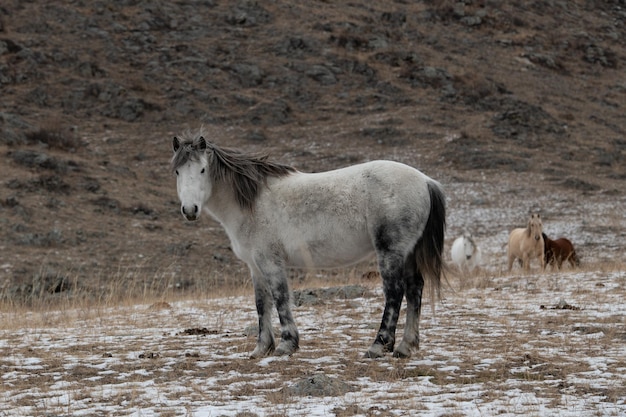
<point>243,173</point>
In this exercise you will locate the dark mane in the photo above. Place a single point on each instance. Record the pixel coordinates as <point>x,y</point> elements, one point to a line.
<point>244,173</point>
<point>186,152</point>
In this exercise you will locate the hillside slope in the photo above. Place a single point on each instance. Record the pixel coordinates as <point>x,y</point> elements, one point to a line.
<point>513,107</point>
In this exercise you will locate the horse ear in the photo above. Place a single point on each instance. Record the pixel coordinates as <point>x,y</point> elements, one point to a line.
<point>175,144</point>
<point>201,144</point>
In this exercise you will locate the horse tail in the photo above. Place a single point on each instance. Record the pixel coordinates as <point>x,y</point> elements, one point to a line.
<point>575,257</point>
<point>429,247</point>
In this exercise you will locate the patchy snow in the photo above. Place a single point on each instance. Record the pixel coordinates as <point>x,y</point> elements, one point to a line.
<point>492,351</point>
<point>498,345</point>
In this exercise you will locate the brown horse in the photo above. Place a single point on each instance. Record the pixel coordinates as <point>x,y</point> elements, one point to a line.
<point>558,251</point>
<point>527,243</point>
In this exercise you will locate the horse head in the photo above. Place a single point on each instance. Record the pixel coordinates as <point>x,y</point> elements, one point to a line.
<point>192,182</point>
<point>469,246</point>
<point>535,227</point>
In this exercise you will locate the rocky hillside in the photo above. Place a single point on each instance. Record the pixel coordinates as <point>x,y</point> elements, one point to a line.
<point>532,94</point>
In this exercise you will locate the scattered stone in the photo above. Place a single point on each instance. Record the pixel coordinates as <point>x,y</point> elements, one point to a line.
<point>561,305</point>
<point>149,355</point>
<point>196,331</point>
<point>320,385</point>
<point>161,305</point>
<point>315,296</point>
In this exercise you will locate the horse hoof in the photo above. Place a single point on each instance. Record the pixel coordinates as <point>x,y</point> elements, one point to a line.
<point>376,351</point>
<point>404,350</point>
<point>260,352</point>
<point>402,354</point>
<point>285,349</point>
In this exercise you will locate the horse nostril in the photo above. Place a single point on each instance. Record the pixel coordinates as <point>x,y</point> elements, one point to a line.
<point>183,210</point>
<point>195,209</point>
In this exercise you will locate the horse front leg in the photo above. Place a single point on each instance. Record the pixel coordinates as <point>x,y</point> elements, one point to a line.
<point>263,297</point>
<point>289,337</point>
<point>271,289</point>
<point>526,262</point>
<point>393,289</point>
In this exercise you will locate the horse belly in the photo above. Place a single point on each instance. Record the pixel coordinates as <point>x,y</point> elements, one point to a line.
<point>344,249</point>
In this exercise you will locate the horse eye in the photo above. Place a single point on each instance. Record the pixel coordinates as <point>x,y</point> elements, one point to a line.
<point>176,172</point>
<point>202,172</point>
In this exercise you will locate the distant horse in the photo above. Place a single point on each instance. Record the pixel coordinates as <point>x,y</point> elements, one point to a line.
<point>465,253</point>
<point>558,251</point>
<point>277,218</point>
<point>527,243</point>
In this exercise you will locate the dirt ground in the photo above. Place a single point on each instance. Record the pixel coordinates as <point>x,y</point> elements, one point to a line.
<point>513,107</point>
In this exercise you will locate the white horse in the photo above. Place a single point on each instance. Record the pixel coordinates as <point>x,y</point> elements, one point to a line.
<point>527,243</point>
<point>465,253</point>
<point>278,218</point>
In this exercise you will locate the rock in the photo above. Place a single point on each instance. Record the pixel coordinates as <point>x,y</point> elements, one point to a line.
<point>320,385</point>
<point>321,74</point>
<point>316,296</point>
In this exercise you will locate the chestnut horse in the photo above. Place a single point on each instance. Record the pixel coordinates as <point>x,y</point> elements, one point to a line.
<point>558,251</point>
<point>527,243</point>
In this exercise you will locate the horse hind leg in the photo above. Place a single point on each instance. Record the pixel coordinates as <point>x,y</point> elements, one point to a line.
<point>571,259</point>
<point>414,288</point>
<point>391,270</point>
<point>511,259</point>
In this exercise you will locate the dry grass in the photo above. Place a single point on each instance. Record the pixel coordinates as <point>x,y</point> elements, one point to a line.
<point>55,135</point>
<point>491,340</point>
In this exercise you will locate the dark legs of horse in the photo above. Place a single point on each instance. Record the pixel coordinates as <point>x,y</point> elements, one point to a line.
<point>392,271</point>
<point>263,297</point>
<point>289,337</point>
<point>271,288</point>
<point>414,287</point>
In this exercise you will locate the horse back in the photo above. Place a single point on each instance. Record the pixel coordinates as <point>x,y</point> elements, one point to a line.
<point>566,249</point>
<point>520,243</point>
<point>564,244</point>
<point>516,237</point>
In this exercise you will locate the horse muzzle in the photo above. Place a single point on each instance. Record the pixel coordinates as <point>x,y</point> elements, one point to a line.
<point>190,213</point>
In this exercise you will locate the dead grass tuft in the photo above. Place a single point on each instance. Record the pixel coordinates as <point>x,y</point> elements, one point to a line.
<point>55,136</point>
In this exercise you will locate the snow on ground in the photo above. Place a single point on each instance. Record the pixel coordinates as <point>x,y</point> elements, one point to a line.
<point>492,349</point>
<point>502,343</point>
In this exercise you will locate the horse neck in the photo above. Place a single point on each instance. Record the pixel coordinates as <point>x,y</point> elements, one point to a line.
<point>223,205</point>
